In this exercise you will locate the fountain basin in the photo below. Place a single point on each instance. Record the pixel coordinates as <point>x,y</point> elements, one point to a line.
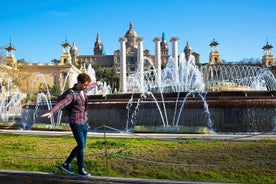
<point>172,129</point>
<point>230,111</point>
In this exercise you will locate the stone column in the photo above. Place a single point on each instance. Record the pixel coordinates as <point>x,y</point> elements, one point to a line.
<point>123,87</point>
<point>158,60</point>
<point>174,41</point>
<point>59,80</point>
<point>70,79</point>
<point>140,59</point>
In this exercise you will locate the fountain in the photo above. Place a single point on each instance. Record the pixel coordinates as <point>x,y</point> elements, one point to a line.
<point>218,98</point>
<point>31,119</point>
<point>10,104</point>
<point>104,89</point>
<point>182,98</point>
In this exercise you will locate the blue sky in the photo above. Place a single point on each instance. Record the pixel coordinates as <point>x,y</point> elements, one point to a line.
<point>37,28</point>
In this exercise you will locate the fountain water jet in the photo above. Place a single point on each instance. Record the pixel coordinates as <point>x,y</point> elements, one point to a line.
<point>104,89</point>
<point>174,79</point>
<point>31,115</point>
<point>10,101</point>
<point>44,101</point>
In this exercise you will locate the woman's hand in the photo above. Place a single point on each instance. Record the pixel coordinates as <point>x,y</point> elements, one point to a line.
<point>99,83</point>
<point>48,115</point>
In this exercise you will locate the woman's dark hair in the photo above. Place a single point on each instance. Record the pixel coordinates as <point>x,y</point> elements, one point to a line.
<point>83,77</point>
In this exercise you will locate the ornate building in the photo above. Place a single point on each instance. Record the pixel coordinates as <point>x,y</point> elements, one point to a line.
<point>99,58</point>
<point>32,78</point>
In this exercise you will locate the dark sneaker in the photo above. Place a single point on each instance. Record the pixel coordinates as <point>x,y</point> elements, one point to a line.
<point>67,168</point>
<point>82,172</point>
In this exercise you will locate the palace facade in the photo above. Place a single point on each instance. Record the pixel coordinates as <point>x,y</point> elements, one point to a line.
<point>101,59</point>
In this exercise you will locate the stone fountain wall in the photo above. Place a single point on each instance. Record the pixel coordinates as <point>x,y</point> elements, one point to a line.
<point>228,111</point>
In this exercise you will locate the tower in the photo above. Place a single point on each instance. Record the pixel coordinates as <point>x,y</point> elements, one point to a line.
<point>131,50</point>
<point>189,56</point>
<point>164,50</point>
<point>214,56</point>
<point>74,54</point>
<point>164,46</point>
<point>98,46</point>
<point>65,55</point>
<point>10,58</point>
<point>267,58</point>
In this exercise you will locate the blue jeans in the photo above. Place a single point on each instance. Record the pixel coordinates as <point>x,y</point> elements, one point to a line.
<point>80,134</point>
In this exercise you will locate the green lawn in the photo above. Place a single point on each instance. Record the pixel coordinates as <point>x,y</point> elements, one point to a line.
<point>182,159</point>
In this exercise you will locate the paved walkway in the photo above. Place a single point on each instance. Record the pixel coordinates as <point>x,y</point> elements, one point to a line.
<point>23,177</point>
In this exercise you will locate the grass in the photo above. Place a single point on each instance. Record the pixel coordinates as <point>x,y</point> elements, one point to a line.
<point>182,159</point>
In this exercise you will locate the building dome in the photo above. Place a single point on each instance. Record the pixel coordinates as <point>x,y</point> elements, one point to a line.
<point>131,37</point>
<point>188,48</point>
<point>74,47</point>
<point>131,32</point>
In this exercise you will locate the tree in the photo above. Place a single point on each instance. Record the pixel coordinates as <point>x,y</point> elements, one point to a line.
<point>21,61</point>
<point>56,61</point>
<point>55,91</point>
<point>108,75</point>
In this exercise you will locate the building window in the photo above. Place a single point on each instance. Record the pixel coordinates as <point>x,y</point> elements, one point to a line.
<point>132,61</point>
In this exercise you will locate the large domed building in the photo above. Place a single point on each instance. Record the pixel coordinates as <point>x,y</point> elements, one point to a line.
<point>99,57</point>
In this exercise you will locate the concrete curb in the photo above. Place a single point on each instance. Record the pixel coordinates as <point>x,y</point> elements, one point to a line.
<point>228,137</point>
<point>24,177</point>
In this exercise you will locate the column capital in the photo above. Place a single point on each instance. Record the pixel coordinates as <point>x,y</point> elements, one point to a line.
<point>140,39</point>
<point>157,39</point>
<point>174,39</point>
<point>122,39</point>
